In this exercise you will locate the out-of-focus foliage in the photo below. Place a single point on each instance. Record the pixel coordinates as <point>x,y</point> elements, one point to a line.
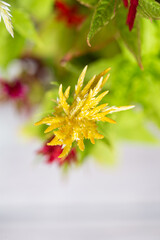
<point>41,31</point>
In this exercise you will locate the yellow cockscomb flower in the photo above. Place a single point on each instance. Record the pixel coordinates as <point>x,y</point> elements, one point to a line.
<point>77,121</point>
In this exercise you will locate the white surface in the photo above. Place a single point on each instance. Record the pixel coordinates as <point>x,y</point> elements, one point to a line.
<point>92,202</point>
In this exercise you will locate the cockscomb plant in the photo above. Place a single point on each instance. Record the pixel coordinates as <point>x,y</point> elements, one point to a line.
<point>53,40</point>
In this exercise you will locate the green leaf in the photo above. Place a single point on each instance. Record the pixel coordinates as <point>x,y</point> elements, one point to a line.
<point>37,7</point>
<point>88,3</point>
<point>104,12</point>
<point>52,34</point>
<point>41,10</point>
<point>131,38</point>
<point>24,26</point>
<point>132,126</point>
<point>149,9</point>
<point>10,48</point>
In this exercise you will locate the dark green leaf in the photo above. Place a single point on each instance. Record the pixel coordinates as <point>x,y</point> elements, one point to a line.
<point>149,9</point>
<point>104,12</point>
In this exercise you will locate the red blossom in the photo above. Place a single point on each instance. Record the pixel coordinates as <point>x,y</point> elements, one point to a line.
<point>69,14</point>
<point>13,90</point>
<point>131,13</point>
<point>52,152</point>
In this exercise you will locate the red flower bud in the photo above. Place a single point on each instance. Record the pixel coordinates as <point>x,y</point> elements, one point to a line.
<point>132,13</point>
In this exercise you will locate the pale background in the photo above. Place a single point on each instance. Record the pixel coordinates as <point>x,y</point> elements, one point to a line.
<point>37,201</point>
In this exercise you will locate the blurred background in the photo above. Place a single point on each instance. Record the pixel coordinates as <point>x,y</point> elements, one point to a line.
<point>38,201</point>
<point>112,189</point>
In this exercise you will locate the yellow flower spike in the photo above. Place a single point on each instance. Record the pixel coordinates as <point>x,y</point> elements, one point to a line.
<point>47,120</point>
<point>66,150</point>
<point>63,102</point>
<point>118,109</point>
<point>105,80</point>
<point>54,142</point>
<point>66,94</point>
<point>80,81</point>
<point>97,88</point>
<point>107,119</point>
<point>52,127</point>
<point>101,75</point>
<point>77,121</point>
<point>81,144</point>
<point>97,109</point>
<point>87,87</point>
